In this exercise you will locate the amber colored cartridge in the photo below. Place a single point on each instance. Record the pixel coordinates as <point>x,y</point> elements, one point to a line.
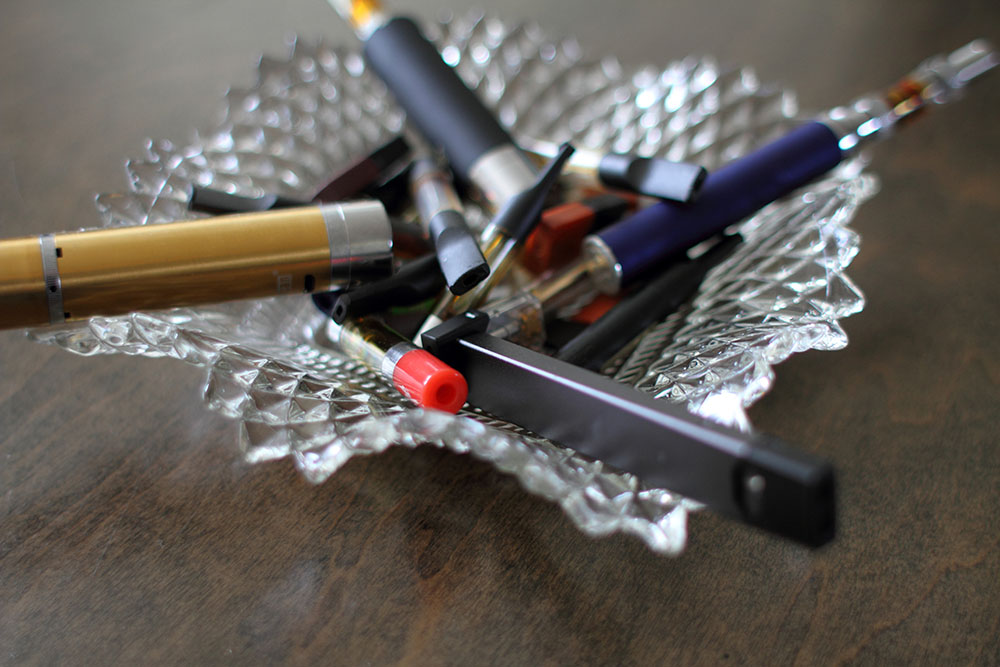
<point>415,373</point>
<point>61,277</point>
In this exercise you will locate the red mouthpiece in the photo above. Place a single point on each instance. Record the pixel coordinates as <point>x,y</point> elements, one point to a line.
<point>429,381</point>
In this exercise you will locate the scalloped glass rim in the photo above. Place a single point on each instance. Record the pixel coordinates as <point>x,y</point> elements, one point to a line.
<point>783,291</point>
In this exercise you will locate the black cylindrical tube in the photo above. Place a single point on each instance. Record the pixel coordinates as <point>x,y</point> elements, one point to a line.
<point>654,302</point>
<point>417,281</point>
<point>434,97</point>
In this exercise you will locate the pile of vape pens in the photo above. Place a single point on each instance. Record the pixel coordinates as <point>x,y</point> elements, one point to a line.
<point>458,278</point>
<point>624,429</point>
<point>562,227</point>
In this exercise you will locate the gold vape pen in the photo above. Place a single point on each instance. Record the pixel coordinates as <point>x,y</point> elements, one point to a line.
<point>61,277</point>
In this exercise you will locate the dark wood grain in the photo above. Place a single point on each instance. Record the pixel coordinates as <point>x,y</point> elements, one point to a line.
<point>131,532</point>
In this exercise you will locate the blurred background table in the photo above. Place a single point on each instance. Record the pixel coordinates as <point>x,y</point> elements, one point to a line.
<point>131,531</point>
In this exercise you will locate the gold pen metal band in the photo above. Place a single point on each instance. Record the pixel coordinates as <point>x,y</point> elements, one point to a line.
<point>53,285</point>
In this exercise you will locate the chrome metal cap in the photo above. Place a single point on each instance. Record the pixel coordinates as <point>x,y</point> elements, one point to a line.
<point>360,241</point>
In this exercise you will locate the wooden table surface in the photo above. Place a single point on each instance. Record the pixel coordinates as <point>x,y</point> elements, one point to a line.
<point>131,531</point>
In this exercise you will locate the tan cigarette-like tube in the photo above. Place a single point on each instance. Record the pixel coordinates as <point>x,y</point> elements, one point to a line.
<point>61,277</point>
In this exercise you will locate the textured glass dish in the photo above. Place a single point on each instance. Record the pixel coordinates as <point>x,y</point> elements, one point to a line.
<point>782,292</point>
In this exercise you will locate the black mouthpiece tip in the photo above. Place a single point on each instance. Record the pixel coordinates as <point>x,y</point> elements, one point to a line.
<point>210,200</point>
<point>341,308</point>
<point>654,177</point>
<point>699,180</point>
<point>466,281</point>
<point>520,215</point>
<point>461,260</point>
<point>551,171</point>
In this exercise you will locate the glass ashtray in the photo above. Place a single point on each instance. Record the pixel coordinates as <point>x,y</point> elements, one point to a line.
<point>783,291</point>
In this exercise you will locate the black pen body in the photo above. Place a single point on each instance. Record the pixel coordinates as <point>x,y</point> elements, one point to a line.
<point>753,478</point>
<point>446,111</point>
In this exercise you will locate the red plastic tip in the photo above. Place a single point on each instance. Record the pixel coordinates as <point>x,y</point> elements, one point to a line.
<point>430,382</point>
<point>557,238</point>
<point>597,308</point>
